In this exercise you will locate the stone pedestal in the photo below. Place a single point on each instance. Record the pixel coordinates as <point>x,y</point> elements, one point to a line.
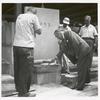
<point>45,74</point>
<point>5,67</point>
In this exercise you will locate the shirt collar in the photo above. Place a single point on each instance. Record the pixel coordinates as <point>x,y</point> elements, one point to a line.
<point>29,12</point>
<point>88,26</point>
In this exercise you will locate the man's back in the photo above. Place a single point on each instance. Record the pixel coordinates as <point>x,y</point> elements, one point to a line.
<point>25,27</point>
<point>76,43</point>
<point>72,45</point>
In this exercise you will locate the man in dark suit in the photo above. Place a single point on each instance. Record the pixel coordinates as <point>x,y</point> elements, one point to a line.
<point>78,51</point>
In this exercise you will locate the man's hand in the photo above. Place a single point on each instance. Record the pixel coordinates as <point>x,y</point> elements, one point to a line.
<point>56,60</point>
<point>39,31</point>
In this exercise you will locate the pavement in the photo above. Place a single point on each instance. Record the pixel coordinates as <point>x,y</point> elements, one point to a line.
<point>49,91</point>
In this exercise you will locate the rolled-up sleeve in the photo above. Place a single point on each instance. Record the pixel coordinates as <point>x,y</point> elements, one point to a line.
<point>95,32</point>
<point>80,32</point>
<point>36,23</point>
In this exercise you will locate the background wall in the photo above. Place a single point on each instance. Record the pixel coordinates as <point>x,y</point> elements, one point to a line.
<point>8,30</point>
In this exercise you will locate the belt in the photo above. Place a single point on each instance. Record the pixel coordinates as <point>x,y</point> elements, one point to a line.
<point>23,47</point>
<point>87,38</point>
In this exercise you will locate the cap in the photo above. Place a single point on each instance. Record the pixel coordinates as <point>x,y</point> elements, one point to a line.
<point>66,20</point>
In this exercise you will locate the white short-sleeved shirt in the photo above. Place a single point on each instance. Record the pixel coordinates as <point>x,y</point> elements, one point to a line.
<point>88,32</point>
<point>68,28</point>
<point>26,24</point>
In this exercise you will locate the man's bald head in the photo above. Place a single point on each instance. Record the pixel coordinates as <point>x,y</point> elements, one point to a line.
<point>32,10</point>
<point>87,20</point>
<point>87,17</point>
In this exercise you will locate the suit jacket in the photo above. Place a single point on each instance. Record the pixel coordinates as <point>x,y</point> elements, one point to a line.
<point>73,46</point>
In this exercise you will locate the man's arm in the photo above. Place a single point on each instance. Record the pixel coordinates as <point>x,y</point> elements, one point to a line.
<point>38,31</point>
<point>95,37</point>
<point>80,31</point>
<point>59,57</point>
<point>36,26</point>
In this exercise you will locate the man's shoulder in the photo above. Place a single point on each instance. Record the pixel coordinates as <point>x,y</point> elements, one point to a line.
<point>83,26</point>
<point>89,26</point>
<point>20,15</point>
<point>69,28</point>
<point>92,26</point>
<point>28,15</point>
<point>32,15</point>
<point>69,33</point>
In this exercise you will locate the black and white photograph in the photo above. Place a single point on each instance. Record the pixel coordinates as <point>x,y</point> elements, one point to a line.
<point>49,50</point>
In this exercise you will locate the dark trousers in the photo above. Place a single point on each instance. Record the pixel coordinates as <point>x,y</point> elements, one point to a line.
<point>90,42</point>
<point>84,64</point>
<point>83,70</point>
<point>23,63</point>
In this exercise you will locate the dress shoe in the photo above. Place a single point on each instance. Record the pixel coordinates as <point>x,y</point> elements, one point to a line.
<point>26,94</point>
<point>79,88</point>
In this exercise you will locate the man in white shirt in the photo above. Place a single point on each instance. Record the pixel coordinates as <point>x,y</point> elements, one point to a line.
<point>89,34</point>
<point>27,26</point>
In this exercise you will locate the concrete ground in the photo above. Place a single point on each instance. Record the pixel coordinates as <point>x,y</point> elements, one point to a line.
<point>50,91</point>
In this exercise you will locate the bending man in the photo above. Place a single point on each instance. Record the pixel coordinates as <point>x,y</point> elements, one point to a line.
<point>77,50</point>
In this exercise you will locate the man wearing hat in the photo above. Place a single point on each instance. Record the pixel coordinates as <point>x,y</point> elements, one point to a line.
<point>66,22</point>
<point>78,51</point>
<point>64,61</point>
